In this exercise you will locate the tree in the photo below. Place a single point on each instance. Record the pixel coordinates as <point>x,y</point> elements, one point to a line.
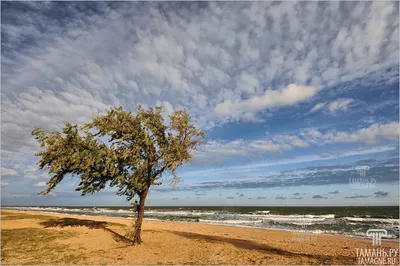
<point>120,149</point>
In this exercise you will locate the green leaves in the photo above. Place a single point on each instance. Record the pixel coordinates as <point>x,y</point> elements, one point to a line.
<point>129,151</point>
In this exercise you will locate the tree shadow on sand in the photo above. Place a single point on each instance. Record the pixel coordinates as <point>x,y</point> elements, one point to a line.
<point>73,222</point>
<point>252,245</point>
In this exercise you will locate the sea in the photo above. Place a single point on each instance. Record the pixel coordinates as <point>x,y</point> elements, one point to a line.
<point>347,221</point>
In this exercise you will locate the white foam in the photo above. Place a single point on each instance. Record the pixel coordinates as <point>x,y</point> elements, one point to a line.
<point>230,221</point>
<point>264,212</point>
<point>178,213</point>
<point>382,220</point>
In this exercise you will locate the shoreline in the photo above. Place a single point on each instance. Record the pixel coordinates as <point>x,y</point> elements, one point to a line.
<point>202,223</point>
<point>50,238</point>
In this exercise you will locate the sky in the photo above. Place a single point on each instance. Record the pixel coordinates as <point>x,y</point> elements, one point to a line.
<point>299,101</point>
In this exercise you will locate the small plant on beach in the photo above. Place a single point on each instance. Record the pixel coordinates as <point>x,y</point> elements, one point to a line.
<point>120,149</point>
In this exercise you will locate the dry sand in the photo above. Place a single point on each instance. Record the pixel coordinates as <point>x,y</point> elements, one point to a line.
<point>29,238</point>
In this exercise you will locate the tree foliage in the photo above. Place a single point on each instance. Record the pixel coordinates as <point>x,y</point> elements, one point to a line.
<point>120,149</point>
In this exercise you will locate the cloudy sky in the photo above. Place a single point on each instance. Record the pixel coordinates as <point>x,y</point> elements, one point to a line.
<point>295,98</point>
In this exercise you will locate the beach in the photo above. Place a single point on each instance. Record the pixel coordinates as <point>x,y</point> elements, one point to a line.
<point>49,238</point>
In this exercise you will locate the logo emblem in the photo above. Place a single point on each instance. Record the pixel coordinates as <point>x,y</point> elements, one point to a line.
<point>362,170</point>
<point>376,235</point>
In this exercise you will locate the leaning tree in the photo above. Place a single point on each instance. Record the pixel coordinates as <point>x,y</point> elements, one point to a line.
<point>120,149</point>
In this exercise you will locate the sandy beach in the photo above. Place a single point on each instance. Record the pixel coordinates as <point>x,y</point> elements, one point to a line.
<point>43,238</point>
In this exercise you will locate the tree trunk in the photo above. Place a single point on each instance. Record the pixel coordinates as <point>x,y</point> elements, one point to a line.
<point>137,239</point>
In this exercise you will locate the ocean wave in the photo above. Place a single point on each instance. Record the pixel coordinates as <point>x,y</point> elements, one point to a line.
<point>314,223</point>
<point>178,213</point>
<point>293,219</point>
<point>379,220</point>
<point>263,212</point>
<point>47,209</point>
<point>230,221</point>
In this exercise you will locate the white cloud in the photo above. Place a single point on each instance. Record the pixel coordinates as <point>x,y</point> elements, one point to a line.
<point>8,172</point>
<point>248,83</point>
<point>317,107</point>
<point>40,184</point>
<point>291,140</point>
<point>290,95</point>
<point>267,146</point>
<point>20,195</point>
<point>369,135</point>
<point>219,151</point>
<point>30,172</point>
<point>339,105</point>
<point>220,63</point>
<point>251,117</point>
<point>285,161</point>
